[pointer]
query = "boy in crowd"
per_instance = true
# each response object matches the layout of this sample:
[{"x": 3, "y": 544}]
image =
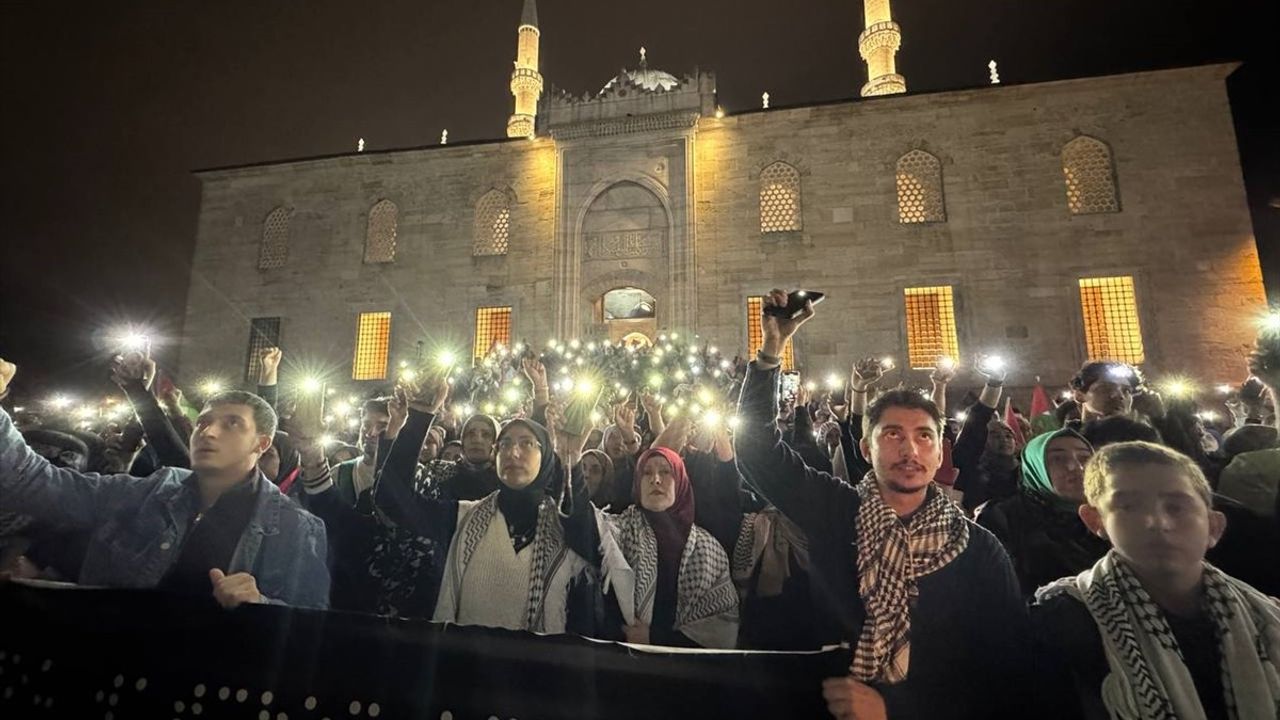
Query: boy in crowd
[{"x": 1152, "y": 630}]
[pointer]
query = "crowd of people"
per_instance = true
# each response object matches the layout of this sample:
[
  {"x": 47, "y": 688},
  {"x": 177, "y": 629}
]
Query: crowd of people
[{"x": 1107, "y": 555}]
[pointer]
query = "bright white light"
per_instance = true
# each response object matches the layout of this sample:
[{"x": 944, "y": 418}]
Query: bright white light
[
  {"x": 59, "y": 402},
  {"x": 511, "y": 395},
  {"x": 311, "y": 385},
  {"x": 211, "y": 387},
  {"x": 994, "y": 363},
  {"x": 886, "y": 362},
  {"x": 811, "y": 386},
  {"x": 734, "y": 421},
  {"x": 446, "y": 359},
  {"x": 962, "y": 416},
  {"x": 327, "y": 440},
  {"x": 712, "y": 418},
  {"x": 705, "y": 396},
  {"x": 946, "y": 363},
  {"x": 834, "y": 382},
  {"x": 133, "y": 340},
  {"x": 353, "y": 423},
  {"x": 1122, "y": 372},
  {"x": 1224, "y": 389}
]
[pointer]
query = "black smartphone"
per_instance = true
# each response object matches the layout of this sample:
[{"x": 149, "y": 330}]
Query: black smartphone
[{"x": 795, "y": 303}]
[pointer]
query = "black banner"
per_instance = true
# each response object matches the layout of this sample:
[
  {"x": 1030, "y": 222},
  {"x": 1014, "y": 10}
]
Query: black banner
[{"x": 118, "y": 654}]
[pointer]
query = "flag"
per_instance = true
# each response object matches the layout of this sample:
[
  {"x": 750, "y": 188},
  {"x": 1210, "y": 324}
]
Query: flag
[
  {"x": 1040, "y": 401},
  {"x": 1011, "y": 419}
]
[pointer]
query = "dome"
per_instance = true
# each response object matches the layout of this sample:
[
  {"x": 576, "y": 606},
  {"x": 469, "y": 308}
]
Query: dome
[{"x": 644, "y": 77}]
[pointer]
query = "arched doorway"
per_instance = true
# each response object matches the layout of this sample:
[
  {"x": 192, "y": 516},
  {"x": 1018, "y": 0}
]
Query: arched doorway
[{"x": 628, "y": 312}]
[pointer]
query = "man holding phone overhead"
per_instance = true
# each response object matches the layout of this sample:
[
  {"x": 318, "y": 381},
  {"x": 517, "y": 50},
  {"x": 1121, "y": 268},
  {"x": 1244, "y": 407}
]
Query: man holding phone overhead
[{"x": 219, "y": 528}]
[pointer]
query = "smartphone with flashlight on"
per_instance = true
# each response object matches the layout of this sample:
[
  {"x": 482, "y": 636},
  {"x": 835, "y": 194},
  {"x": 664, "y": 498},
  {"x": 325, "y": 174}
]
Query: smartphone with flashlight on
[
  {"x": 577, "y": 413},
  {"x": 795, "y": 304},
  {"x": 308, "y": 411},
  {"x": 790, "y": 386}
]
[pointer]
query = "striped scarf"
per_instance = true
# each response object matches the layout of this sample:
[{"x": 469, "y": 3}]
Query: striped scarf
[
  {"x": 892, "y": 556},
  {"x": 1149, "y": 679}
]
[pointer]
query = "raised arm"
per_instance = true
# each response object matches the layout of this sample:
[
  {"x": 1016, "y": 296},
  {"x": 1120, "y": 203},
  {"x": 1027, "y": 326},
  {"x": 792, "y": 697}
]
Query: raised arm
[
  {"x": 134, "y": 374},
  {"x": 30, "y": 485},
  {"x": 822, "y": 505},
  {"x": 269, "y": 374},
  {"x": 393, "y": 492}
]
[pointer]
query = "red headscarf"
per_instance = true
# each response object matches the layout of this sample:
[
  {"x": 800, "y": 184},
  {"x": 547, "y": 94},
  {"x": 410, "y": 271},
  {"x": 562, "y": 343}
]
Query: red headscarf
[{"x": 671, "y": 526}]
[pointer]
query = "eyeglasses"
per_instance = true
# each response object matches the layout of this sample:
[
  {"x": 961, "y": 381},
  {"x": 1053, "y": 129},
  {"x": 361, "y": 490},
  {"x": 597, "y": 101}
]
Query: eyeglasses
[{"x": 525, "y": 445}]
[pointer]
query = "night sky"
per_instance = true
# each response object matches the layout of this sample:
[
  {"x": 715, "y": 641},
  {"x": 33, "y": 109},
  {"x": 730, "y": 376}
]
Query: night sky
[{"x": 108, "y": 106}]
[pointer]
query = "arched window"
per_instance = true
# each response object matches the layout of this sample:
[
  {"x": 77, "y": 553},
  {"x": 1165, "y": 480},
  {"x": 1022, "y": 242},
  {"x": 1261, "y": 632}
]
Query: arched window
[
  {"x": 1091, "y": 177},
  {"x": 779, "y": 198},
  {"x": 493, "y": 224},
  {"x": 920, "y": 197},
  {"x": 275, "y": 240},
  {"x": 380, "y": 238}
]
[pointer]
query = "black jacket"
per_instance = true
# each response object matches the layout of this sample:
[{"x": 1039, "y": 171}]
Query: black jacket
[
  {"x": 1044, "y": 543},
  {"x": 969, "y": 624}
]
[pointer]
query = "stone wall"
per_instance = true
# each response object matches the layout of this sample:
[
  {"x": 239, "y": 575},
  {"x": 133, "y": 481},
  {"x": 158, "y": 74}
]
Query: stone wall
[{"x": 1009, "y": 247}]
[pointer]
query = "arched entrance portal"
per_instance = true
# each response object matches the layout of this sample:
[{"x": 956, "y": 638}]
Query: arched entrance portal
[{"x": 629, "y": 314}]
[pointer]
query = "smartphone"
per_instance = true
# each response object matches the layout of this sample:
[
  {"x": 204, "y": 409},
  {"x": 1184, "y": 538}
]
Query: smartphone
[
  {"x": 577, "y": 414},
  {"x": 790, "y": 384},
  {"x": 308, "y": 412},
  {"x": 795, "y": 303}
]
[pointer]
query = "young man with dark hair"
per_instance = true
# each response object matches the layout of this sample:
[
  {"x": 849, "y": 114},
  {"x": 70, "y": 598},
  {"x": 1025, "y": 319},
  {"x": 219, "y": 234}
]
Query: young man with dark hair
[
  {"x": 1105, "y": 389},
  {"x": 220, "y": 527},
  {"x": 928, "y": 598},
  {"x": 1152, "y": 630}
]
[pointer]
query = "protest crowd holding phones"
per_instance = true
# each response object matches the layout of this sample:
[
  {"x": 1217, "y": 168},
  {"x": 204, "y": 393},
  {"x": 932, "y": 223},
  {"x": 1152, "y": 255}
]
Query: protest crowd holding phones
[{"x": 1101, "y": 549}]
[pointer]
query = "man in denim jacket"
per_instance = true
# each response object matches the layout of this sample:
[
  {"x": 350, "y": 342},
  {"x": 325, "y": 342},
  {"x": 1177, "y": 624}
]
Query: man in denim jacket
[{"x": 220, "y": 527}]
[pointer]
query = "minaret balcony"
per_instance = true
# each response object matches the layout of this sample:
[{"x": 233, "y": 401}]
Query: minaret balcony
[
  {"x": 892, "y": 84},
  {"x": 880, "y": 35}
]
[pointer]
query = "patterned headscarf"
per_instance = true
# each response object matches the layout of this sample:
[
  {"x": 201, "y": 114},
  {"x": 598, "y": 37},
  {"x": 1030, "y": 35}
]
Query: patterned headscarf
[{"x": 892, "y": 557}]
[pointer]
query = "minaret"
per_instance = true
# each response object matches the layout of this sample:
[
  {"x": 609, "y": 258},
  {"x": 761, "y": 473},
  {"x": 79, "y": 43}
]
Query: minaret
[
  {"x": 526, "y": 81},
  {"x": 878, "y": 45}
]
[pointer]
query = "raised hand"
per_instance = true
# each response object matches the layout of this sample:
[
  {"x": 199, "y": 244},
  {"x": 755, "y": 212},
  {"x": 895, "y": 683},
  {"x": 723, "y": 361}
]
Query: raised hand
[
  {"x": 537, "y": 374},
  {"x": 624, "y": 416},
  {"x": 778, "y": 330},
  {"x": 650, "y": 403},
  {"x": 133, "y": 367},
  {"x": 992, "y": 371},
  {"x": 427, "y": 394},
  {"x": 944, "y": 372},
  {"x": 7, "y": 371},
  {"x": 397, "y": 411},
  {"x": 866, "y": 372},
  {"x": 270, "y": 365}
]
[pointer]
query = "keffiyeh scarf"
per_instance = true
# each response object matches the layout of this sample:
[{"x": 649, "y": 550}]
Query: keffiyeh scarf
[
  {"x": 1149, "y": 679},
  {"x": 892, "y": 556}
]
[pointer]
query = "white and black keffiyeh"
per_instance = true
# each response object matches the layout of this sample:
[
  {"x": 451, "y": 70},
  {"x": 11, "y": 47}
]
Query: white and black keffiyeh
[
  {"x": 549, "y": 553},
  {"x": 892, "y": 556},
  {"x": 706, "y": 601},
  {"x": 1149, "y": 679}
]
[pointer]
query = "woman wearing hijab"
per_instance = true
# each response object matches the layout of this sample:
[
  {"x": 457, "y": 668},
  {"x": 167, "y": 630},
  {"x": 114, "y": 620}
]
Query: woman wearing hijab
[
  {"x": 512, "y": 556},
  {"x": 598, "y": 474},
  {"x": 474, "y": 475},
  {"x": 1039, "y": 525},
  {"x": 672, "y": 580}
]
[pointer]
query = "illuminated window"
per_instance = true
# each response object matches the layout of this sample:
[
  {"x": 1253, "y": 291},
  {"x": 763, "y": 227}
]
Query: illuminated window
[
  {"x": 1111, "y": 328},
  {"x": 920, "y": 188},
  {"x": 263, "y": 333},
  {"x": 493, "y": 326},
  {"x": 779, "y": 198},
  {"x": 275, "y": 240},
  {"x": 1091, "y": 177},
  {"x": 755, "y": 336},
  {"x": 380, "y": 238},
  {"x": 931, "y": 325},
  {"x": 373, "y": 344},
  {"x": 493, "y": 224}
]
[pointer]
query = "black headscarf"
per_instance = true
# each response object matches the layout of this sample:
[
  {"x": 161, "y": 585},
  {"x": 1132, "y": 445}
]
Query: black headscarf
[{"x": 520, "y": 507}]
